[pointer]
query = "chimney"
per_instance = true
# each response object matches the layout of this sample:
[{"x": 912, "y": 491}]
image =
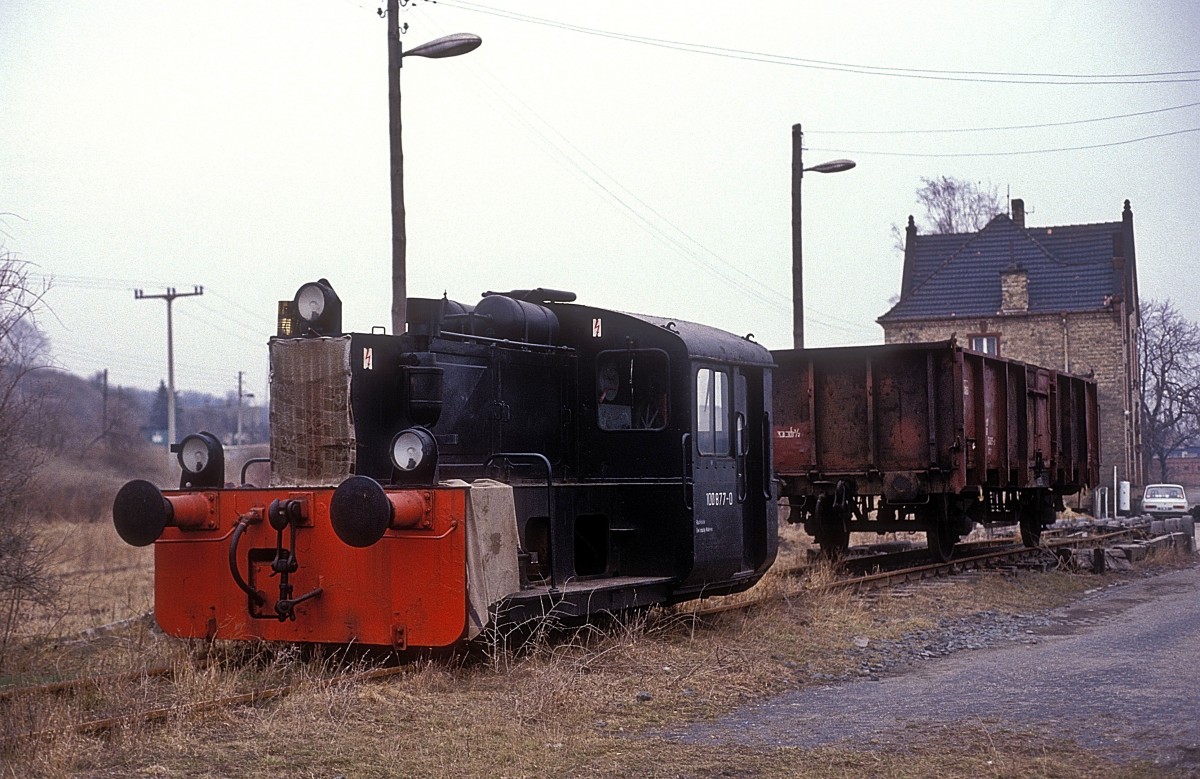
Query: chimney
[
  {"x": 910, "y": 242},
  {"x": 1018, "y": 212},
  {"x": 1014, "y": 289}
]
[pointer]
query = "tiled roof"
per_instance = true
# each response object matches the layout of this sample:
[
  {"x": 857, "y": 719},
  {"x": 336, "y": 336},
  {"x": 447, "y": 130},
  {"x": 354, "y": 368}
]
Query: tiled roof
[{"x": 1069, "y": 268}]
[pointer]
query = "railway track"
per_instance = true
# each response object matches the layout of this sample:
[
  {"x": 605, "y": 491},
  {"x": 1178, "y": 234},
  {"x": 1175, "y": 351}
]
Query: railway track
[
  {"x": 981, "y": 558},
  {"x": 75, "y": 685},
  {"x": 858, "y": 574},
  {"x": 103, "y": 725},
  {"x": 883, "y": 570}
]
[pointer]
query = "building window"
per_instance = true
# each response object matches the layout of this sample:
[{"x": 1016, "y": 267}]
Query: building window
[{"x": 988, "y": 344}]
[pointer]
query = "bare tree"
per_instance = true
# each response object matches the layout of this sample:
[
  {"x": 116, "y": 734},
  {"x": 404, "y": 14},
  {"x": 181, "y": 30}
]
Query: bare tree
[
  {"x": 1170, "y": 373},
  {"x": 957, "y": 206},
  {"x": 24, "y": 559},
  {"x": 952, "y": 206}
]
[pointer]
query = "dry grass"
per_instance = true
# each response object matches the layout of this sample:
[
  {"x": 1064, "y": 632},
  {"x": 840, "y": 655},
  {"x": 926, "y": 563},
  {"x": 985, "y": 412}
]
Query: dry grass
[
  {"x": 103, "y": 579},
  {"x": 102, "y": 582},
  {"x": 593, "y": 703}
]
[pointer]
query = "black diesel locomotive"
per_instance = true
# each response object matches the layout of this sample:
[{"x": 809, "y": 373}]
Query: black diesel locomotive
[
  {"x": 529, "y": 454},
  {"x": 496, "y": 461}
]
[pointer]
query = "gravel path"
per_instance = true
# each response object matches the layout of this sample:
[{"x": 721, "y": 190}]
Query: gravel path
[{"x": 1114, "y": 671}]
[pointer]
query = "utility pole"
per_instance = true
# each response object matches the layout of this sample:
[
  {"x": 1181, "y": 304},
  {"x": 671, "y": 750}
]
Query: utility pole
[
  {"x": 237, "y": 437},
  {"x": 446, "y": 46},
  {"x": 798, "y": 171},
  {"x": 797, "y": 239},
  {"x": 396, "y": 150},
  {"x": 104, "y": 410},
  {"x": 169, "y": 296}
]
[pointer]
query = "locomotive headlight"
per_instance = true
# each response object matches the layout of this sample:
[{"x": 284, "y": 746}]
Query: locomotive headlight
[
  {"x": 194, "y": 455},
  {"x": 202, "y": 460},
  {"x": 412, "y": 448},
  {"x": 310, "y": 302},
  {"x": 414, "y": 455},
  {"x": 318, "y": 308}
]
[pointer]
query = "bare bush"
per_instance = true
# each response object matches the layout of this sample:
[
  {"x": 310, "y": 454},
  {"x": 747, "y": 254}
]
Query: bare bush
[{"x": 24, "y": 562}]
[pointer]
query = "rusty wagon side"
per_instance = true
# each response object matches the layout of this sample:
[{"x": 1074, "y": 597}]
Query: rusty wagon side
[{"x": 928, "y": 437}]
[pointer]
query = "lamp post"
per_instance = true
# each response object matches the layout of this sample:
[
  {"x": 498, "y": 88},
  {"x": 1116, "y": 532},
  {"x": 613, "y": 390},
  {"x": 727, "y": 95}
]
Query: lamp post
[
  {"x": 447, "y": 46},
  {"x": 798, "y": 171}
]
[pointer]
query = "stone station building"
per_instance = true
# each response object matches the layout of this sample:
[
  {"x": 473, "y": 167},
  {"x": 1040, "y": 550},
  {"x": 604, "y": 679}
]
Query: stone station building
[{"x": 1062, "y": 297}]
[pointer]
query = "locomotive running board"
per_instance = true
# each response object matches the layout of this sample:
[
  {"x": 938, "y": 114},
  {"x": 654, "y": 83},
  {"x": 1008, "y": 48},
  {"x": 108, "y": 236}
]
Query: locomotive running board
[{"x": 575, "y": 599}]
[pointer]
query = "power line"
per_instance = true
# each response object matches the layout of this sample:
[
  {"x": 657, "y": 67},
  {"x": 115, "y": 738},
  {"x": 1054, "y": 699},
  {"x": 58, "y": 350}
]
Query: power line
[
  {"x": 96, "y": 282},
  {"x": 1008, "y": 153},
  {"x": 637, "y": 210},
  {"x": 1009, "y": 127},
  {"x": 976, "y": 76}
]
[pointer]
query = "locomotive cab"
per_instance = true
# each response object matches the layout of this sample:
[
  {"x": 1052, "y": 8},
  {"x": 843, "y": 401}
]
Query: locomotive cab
[{"x": 500, "y": 461}]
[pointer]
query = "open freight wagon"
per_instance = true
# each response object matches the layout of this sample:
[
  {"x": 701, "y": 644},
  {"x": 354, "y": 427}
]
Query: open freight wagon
[{"x": 928, "y": 437}]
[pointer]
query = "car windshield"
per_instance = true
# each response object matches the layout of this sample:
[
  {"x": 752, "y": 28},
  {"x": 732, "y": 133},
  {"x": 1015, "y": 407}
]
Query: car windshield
[{"x": 1165, "y": 492}]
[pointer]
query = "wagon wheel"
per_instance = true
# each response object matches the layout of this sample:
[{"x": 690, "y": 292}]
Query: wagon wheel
[
  {"x": 834, "y": 539},
  {"x": 941, "y": 535},
  {"x": 1031, "y": 531},
  {"x": 833, "y": 529},
  {"x": 1031, "y": 526},
  {"x": 941, "y": 539},
  {"x": 1029, "y": 518}
]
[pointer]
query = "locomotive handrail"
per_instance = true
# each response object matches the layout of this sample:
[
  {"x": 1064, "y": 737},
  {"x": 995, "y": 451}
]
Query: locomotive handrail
[
  {"x": 255, "y": 515},
  {"x": 686, "y": 443},
  {"x": 452, "y": 336},
  {"x": 545, "y": 461},
  {"x": 768, "y": 467},
  {"x": 246, "y": 466}
]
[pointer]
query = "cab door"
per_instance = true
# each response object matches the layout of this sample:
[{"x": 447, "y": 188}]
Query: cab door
[{"x": 718, "y": 474}]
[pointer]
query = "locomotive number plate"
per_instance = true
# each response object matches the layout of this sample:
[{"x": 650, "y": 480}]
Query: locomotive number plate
[{"x": 719, "y": 498}]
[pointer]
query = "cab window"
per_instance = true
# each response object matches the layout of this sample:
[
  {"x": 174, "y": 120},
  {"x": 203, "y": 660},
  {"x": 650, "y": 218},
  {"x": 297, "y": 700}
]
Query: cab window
[
  {"x": 631, "y": 389},
  {"x": 712, "y": 412}
]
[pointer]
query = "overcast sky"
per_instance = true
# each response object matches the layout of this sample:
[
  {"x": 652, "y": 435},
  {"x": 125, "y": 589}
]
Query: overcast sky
[{"x": 636, "y": 153}]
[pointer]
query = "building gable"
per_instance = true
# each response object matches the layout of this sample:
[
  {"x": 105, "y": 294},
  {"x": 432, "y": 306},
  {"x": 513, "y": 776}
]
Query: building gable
[{"x": 1066, "y": 269}]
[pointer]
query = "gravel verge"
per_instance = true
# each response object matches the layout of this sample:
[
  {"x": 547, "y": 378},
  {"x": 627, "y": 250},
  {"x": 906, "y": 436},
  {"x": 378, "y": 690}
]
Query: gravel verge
[{"x": 1112, "y": 672}]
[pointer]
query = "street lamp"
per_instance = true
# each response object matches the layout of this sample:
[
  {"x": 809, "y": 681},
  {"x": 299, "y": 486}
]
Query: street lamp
[
  {"x": 798, "y": 171},
  {"x": 447, "y": 46}
]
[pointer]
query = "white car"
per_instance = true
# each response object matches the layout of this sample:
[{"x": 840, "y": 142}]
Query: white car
[{"x": 1165, "y": 500}]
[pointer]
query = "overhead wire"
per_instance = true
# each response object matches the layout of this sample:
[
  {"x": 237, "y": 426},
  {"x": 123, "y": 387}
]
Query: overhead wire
[
  {"x": 212, "y": 378},
  {"x": 978, "y": 76},
  {"x": 1155, "y": 77},
  {"x": 1019, "y": 153},
  {"x": 1041, "y": 126},
  {"x": 675, "y": 238},
  {"x": 991, "y": 77}
]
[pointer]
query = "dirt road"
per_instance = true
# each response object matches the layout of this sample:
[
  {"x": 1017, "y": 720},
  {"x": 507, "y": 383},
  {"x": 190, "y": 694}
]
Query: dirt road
[{"x": 1116, "y": 672}]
